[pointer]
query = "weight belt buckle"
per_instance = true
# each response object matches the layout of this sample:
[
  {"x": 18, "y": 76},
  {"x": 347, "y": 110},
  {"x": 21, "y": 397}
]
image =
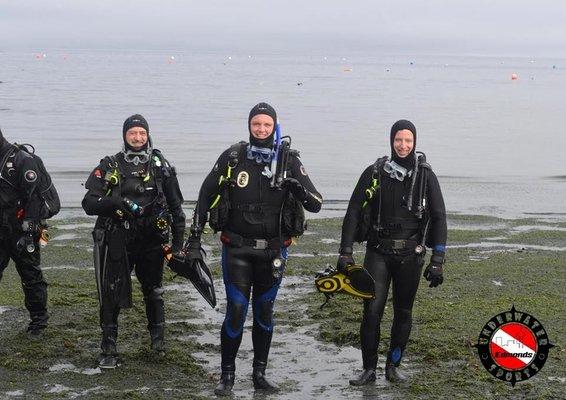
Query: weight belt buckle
[
  {"x": 398, "y": 244},
  {"x": 260, "y": 244}
]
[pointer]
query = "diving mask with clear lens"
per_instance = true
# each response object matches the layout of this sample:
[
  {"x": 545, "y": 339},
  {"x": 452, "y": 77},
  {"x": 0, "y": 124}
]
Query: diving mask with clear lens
[
  {"x": 137, "y": 157},
  {"x": 396, "y": 171},
  {"x": 259, "y": 154}
]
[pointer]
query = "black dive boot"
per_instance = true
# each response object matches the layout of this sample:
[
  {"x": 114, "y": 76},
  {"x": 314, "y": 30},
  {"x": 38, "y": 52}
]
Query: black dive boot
[
  {"x": 109, "y": 355},
  {"x": 393, "y": 361},
  {"x": 367, "y": 377},
  {"x": 260, "y": 381},
  {"x": 224, "y": 387},
  {"x": 157, "y": 334},
  {"x": 35, "y": 295},
  {"x": 37, "y": 324},
  {"x": 392, "y": 375},
  {"x": 369, "y": 361},
  {"x": 155, "y": 312}
]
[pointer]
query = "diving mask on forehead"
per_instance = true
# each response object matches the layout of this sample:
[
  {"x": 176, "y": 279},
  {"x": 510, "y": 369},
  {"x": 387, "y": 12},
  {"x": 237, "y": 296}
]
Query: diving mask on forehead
[{"x": 396, "y": 171}]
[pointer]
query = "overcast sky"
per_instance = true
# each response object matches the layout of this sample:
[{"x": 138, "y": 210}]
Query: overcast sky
[{"x": 498, "y": 27}]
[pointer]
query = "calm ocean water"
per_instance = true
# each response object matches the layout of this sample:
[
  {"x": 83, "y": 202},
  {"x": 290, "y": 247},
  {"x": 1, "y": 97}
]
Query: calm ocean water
[{"x": 496, "y": 144}]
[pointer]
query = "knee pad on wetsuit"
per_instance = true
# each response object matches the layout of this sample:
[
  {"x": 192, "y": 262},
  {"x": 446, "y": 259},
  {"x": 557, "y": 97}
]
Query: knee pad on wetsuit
[
  {"x": 35, "y": 294},
  {"x": 374, "y": 307},
  {"x": 263, "y": 308},
  {"x": 236, "y": 311},
  {"x": 36, "y": 284},
  {"x": 153, "y": 294},
  {"x": 154, "y": 308},
  {"x": 402, "y": 315}
]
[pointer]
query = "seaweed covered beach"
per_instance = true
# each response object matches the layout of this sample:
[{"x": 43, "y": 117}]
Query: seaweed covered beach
[{"x": 493, "y": 264}]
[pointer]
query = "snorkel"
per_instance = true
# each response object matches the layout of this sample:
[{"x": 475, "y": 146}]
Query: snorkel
[{"x": 274, "y": 159}]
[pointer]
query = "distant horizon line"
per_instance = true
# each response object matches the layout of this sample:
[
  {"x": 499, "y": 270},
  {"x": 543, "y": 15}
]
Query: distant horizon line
[{"x": 240, "y": 52}]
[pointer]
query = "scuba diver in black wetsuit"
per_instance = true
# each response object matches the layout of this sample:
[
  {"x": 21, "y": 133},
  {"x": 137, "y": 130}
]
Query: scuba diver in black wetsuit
[
  {"x": 136, "y": 196},
  {"x": 255, "y": 235},
  {"x": 27, "y": 196},
  {"x": 405, "y": 212}
]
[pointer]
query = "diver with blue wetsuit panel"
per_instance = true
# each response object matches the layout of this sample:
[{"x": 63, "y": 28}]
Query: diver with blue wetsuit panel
[{"x": 255, "y": 235}]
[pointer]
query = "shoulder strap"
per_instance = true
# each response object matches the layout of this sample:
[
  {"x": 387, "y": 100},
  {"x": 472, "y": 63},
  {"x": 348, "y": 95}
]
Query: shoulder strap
[
  {"x": 113, "y": 172},
  {"x": 376, "y": 183},
  {"x": 12, "y": 150},
  {"x": 293, "y": 152},
  {"x": 377, "y": 165},
  {"x": 234, "y": 157},
  {"x": 236, "y": 153},
  {"x": 24, "y": 147},
  {"x": 161, "y": 168},
  {"x": 423, "y": 186},
  {"x": 370, "y": 191}
]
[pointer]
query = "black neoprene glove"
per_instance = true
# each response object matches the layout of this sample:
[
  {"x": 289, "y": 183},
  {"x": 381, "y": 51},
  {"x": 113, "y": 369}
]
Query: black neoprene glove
[
  {"x": 344, "y": 259},
  {"x": 177, "y": 241},
  {"x": 433, "y": 271},
  {"x": 193, "y": 247},
  {"x": 296, "y": 188}
]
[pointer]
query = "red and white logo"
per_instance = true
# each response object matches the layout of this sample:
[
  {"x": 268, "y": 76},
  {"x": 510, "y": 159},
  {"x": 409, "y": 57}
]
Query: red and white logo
[{"x": 513, "y": 346}]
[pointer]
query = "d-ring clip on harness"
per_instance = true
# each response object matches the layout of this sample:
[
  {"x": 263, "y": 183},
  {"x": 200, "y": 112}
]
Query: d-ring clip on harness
[
  {"x": 225, "y": 180},
  {"x": 370, "y": 191},
  {"x": 112, "y": 176}
]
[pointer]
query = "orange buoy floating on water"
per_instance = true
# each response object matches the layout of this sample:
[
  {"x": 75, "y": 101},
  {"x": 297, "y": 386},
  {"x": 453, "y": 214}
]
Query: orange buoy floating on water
[{"x": 514, "y": 77}]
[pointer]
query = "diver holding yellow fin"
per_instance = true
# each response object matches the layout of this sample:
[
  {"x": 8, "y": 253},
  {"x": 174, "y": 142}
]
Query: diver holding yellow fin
[
  {"x": 398, "y": 209},
  {"x": 353, "y": 280}
]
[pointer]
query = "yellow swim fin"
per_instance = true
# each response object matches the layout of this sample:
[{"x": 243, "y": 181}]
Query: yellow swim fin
[{"x": 355, "y": 281}]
